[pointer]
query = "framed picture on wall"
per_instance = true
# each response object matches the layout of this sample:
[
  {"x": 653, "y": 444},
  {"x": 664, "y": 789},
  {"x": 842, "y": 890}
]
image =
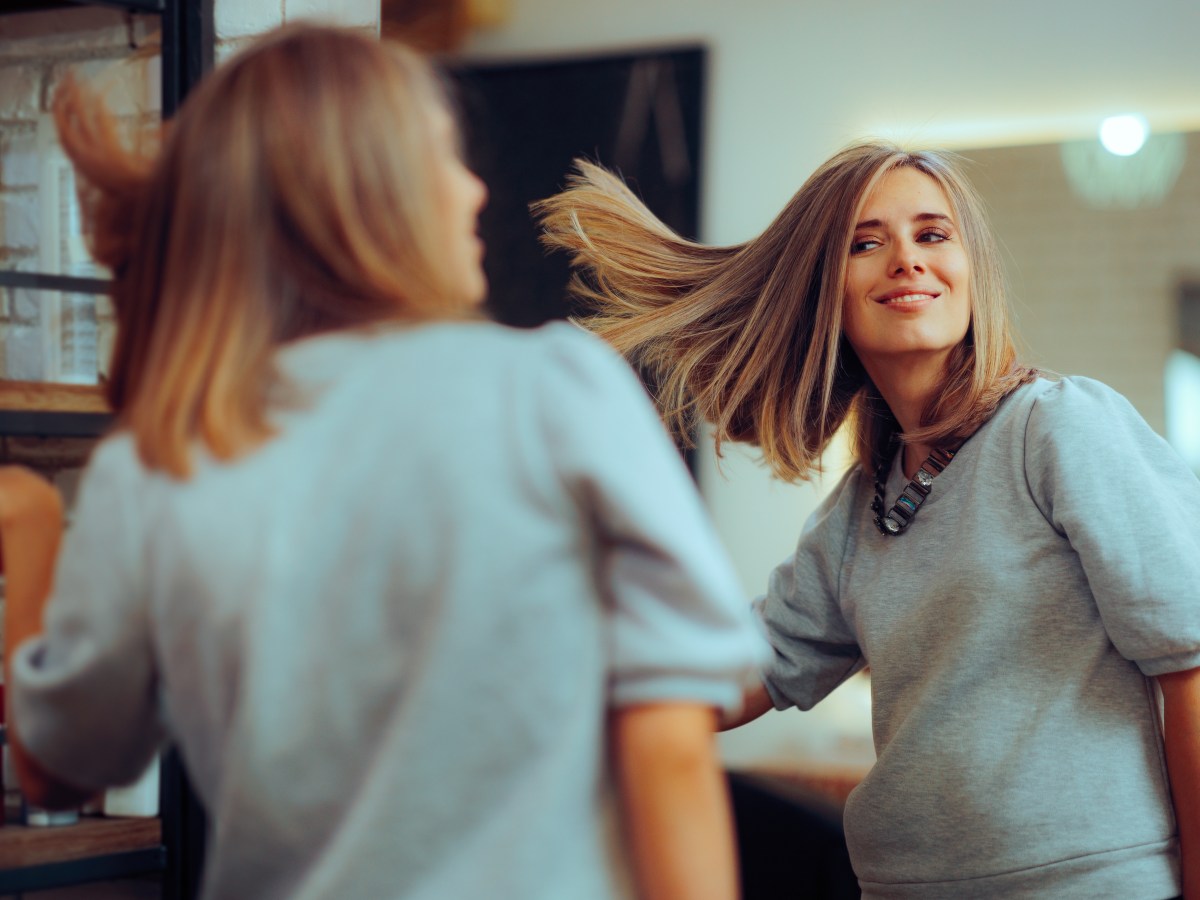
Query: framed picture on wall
[{"x": 638, "y": 113}]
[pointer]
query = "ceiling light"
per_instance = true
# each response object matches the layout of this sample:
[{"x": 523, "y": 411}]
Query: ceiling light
[{"x": 1123, "y": 135}]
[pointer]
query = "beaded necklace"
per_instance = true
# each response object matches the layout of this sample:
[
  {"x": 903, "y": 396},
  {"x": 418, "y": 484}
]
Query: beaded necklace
[{"x": 912, "y": 496}]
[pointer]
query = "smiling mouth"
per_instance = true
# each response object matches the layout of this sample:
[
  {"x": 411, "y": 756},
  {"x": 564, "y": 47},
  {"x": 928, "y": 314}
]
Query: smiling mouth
[{"x": 906, "y": 298}]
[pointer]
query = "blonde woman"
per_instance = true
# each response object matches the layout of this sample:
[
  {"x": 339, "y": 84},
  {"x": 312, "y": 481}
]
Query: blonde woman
[
  {"x": 1016, "y": 558},
  {"x": 396, "y": 579}
]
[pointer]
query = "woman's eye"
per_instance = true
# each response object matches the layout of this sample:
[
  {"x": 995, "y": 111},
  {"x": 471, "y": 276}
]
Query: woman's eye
[
  {"x": 861, "y": 246},
  {"x": 932, "y": 237}
]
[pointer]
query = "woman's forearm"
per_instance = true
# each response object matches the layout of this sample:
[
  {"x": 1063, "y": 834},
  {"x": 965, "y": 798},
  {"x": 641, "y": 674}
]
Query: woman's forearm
[
  {"x": 675, "y": 802},
  {"x": 1181, "y": 703}
]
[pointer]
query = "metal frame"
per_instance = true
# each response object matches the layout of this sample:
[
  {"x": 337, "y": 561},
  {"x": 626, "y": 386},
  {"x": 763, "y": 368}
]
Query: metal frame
[{"x": 39, "y": 281}]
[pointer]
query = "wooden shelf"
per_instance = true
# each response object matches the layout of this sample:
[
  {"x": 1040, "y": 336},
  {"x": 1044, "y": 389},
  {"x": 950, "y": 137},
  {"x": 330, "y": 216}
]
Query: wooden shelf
[
  {"x": 22, "y": 846},
  {"x": 37, "y": 858},
  {"x": 40, "y": 396}
]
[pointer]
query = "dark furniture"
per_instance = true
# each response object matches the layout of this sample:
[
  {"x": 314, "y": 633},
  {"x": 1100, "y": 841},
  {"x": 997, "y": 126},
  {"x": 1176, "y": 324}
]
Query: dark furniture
[{"x": 790, "y": 842}]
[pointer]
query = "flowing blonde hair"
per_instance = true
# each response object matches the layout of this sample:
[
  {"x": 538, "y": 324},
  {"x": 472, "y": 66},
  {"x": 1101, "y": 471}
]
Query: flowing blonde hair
[
  {"x": 749, "y": 337},
  {"x": 291, "y": 196}
]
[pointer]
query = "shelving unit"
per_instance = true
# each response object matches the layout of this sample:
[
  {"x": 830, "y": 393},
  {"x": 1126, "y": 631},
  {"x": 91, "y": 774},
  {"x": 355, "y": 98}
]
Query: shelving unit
[
  {"x": 39, "y": 407},
  {"x": 97, "y": 849}
]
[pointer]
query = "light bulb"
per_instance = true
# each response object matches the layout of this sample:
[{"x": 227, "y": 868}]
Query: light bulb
[{"x": 1123, "y": 135}]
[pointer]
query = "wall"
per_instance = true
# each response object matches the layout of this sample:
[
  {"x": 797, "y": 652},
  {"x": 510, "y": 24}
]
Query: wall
[
  {"x": 1096, "y": 291},
  {"x": 237, "y": 21}
]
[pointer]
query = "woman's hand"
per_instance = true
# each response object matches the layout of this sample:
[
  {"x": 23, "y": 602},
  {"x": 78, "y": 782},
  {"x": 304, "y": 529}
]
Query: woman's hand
[
  {"x": 755, "y": 702},
  {"x": 1181, "y": 705}
]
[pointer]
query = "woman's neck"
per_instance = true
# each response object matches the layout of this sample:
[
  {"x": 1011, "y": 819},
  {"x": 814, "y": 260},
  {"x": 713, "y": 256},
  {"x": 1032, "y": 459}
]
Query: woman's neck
[{"x": 907, "y": 388}]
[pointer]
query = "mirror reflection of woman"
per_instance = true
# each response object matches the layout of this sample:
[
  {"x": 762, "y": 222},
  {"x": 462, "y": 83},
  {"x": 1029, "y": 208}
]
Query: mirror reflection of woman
[{"x": 1014, "y": 554}]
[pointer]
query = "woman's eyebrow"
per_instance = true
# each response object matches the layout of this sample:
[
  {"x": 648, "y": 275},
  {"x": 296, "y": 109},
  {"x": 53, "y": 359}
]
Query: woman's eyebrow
[{"x": 919, "y": 217}]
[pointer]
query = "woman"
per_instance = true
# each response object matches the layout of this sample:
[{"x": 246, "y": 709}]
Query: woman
[
  {"x": 1015, "y": 557},
  {"x": 391, "y": 575}
]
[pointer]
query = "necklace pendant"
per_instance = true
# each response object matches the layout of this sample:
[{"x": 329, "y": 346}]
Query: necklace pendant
[{"x": 913, "y": 494}]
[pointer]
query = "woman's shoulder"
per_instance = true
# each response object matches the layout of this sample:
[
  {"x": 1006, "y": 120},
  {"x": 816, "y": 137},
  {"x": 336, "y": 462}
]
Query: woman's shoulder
[
  {"x": 1080, "y": 421},
  {"x": 115, "y": 456},
  {"x": 558, "y": 338},
  {"x": 1056, "y": 402},
  {"x": 402, "y": 355},
  {"x": 838, "y": 511},
  {"x": 484, "y": 342},
  {"x": 557, "y": 353},
  {"x": 114, "y": 482},
  {"x": 1077, "y": 404},
  {"x": 572, "y": 345}
]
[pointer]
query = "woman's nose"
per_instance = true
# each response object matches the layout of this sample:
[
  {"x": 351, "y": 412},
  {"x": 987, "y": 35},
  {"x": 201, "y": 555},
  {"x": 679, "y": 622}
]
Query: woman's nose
[{"x": 905, "y": 258}]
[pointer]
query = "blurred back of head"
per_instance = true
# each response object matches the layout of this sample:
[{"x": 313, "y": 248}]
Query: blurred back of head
[{"x": 291, "y": 196}]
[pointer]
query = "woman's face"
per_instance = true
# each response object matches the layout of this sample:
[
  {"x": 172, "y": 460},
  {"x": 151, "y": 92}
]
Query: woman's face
[
  {"x": 461, "y": 197},
  {"x": 908, "y": 277}
]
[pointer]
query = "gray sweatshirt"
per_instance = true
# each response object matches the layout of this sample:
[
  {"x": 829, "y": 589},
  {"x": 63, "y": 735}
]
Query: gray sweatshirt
[{"x": 1011, "y": 632}]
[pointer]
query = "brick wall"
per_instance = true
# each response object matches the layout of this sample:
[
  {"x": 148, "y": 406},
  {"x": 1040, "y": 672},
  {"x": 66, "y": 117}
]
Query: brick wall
[{"x": 1096, "y": 291}]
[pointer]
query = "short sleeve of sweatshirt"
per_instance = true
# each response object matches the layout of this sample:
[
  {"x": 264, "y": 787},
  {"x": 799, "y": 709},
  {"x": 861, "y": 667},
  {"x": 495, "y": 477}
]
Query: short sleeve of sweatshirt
[
  {"x": 84, "y": 692},
  {"x": 815, "y": 648},
  {"x": 1131, "y": 509},
  {"x": 679, "y": 627}
]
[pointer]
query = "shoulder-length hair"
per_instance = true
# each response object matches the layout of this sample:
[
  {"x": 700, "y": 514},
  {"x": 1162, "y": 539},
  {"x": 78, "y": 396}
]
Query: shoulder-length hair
[
  {"x": 749, "y": 337},
  {"x": 291, "y": 196}
]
